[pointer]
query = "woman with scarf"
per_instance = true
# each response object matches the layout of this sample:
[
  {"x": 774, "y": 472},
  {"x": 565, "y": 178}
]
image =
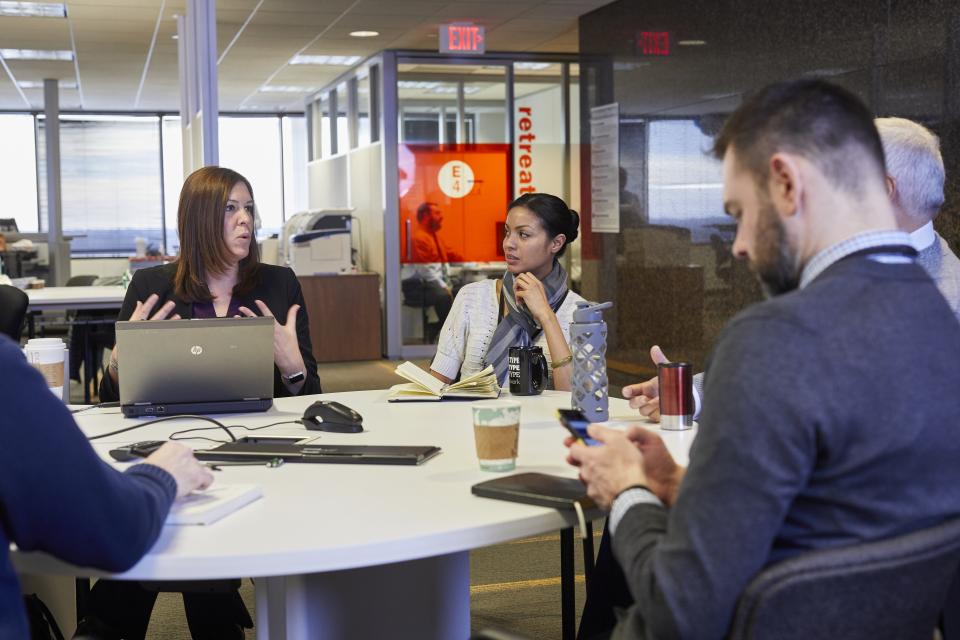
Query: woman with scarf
[{"x": 530, "y": 305}]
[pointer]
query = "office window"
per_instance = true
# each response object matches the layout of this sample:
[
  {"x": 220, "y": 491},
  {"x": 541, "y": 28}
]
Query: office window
[
  {"x": 685, "y": 181},
  {"x": 343, "y": 130},
  {"x": 326, "y": 149},
  {"x": 18, "y": 171},
  {"x": 172, "y": 179},
  {"x": 363, "y": 110},
  {"x": 251, "y": 146},
  {"x": 294, "y": 165},
  {"x": 110, "y": 182}
]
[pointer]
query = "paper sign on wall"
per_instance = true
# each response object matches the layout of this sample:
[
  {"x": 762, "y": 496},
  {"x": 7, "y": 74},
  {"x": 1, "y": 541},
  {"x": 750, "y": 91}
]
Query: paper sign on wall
[{"x": 605, "y": 168}]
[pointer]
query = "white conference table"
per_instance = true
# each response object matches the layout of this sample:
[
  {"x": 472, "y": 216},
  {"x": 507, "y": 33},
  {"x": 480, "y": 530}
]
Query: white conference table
[
  {"x": 357, "y": 551},
  {"x": 75, "y": 298}
]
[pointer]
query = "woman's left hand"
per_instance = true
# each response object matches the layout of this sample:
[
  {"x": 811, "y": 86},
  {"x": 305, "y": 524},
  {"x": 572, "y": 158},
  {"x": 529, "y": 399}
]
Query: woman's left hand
[
  {"x": 286, "y": 347},
  {"x": 529, "y": 290}
]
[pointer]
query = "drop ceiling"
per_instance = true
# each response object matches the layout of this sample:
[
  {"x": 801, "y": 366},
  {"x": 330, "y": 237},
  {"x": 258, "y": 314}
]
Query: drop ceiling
[{"x": 126, "y": 53}]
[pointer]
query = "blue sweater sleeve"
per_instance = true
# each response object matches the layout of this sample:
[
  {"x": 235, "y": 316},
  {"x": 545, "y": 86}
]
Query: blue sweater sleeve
[{"x": 56, "y": 494}]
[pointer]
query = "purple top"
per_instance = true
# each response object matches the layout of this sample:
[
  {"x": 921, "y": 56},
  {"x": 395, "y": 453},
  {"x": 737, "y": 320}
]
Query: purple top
[{"x": 206, "y": 310}]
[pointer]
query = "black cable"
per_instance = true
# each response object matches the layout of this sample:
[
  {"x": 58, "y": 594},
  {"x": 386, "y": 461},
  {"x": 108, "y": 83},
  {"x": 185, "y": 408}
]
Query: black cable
[
  {"x": 184, "y": 416},
  {"x": 174, "y": 435}
]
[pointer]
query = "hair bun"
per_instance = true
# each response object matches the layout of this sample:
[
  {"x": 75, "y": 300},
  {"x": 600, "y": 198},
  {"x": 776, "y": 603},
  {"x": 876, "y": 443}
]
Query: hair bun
[{"x": 574, "y": 226}]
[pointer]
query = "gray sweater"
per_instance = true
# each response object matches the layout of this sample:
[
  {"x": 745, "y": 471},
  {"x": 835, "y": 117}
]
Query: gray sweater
[{"x": 830, "y": 418}]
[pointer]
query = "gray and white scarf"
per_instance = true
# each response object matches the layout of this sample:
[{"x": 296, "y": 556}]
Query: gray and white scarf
[{"x": 518, "y": 328}]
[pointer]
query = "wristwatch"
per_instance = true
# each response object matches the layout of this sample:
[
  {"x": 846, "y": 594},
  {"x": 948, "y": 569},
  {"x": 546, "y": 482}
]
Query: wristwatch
[{"x": 295, "y": 378}]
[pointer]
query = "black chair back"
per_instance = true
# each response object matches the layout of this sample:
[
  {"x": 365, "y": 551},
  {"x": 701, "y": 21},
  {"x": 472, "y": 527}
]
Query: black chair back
[
  {"x": 892, "y": 588},
  {"x": 81, "y": 281},
  {"x": 13, "y": 309}
]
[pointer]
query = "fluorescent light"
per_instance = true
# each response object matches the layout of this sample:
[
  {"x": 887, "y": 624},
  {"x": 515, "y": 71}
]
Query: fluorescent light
[
  {"x": 285, "y": 88},
  {"x": 38, "y": 84},
  {"x": 35, "y": 54},
  {"x": 339, "y": 61},
  {"x": 417, "y": 84},
  {"x": 691, "y": 43},
  {"x": 531, "y": 66},
  {"x": 364, "y": 34},
  {"x": 33, "y": 9},
  {"x": 452, "y": 89}
]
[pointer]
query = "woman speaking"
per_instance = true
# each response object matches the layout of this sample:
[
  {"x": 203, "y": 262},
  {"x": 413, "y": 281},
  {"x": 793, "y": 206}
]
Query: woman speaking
[{"x": 218, "y": 274}]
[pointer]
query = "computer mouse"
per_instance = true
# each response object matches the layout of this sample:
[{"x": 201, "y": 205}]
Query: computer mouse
[{"x": 326, "y": 415}]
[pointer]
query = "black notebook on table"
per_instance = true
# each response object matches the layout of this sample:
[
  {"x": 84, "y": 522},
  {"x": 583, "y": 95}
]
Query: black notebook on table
[{"x": 538, "y": 489}]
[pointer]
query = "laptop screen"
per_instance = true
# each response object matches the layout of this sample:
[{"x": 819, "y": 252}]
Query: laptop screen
[{"x": 181, "y": 361}]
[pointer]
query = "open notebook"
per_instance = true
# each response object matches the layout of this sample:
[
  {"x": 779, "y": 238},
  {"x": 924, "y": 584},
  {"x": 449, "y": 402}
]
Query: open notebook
[{"x": 423, "y": 386}]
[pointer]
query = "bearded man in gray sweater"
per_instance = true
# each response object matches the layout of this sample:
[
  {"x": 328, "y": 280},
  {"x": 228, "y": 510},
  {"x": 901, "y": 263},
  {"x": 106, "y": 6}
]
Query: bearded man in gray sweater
[{"x": 829, "y": 414}]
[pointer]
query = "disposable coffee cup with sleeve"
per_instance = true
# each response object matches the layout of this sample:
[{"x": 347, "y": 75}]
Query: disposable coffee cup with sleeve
[{"x": 50, "y": 357}]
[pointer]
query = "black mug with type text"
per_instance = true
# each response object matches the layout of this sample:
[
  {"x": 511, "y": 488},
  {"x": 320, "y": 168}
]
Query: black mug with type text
[{"x": 527, "y": 367}]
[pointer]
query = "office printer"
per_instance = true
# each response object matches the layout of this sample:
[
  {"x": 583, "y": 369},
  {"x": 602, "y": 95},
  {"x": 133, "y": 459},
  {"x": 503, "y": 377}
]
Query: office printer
[{"x": 318, "y": 242}]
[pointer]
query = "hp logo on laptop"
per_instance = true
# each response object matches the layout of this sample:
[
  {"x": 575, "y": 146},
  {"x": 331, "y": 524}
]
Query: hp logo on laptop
[{"x": 196, "y": 349}]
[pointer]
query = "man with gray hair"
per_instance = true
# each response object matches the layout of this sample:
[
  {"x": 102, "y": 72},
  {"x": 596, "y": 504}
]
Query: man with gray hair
[{"x": 915, "y": 179}]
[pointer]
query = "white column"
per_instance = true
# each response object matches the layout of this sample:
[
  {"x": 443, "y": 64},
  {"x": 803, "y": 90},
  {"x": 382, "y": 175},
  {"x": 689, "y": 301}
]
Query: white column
[
  {"x": 199, "y": 110},
  {"x": 59, "y": 249}
]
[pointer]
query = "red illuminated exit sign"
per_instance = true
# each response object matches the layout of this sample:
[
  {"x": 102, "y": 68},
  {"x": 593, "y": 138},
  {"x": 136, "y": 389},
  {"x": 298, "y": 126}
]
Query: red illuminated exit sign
[
  {"x": 462, "y": 38},
  {"x": 653, "y": 43}
]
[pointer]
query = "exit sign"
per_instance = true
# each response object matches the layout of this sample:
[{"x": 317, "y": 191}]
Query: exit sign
[
  {"x": 653, "y": 43},
  {"x": 462, "y": 38}
]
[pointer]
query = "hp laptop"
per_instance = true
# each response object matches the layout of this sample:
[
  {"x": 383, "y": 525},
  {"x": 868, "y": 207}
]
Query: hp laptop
[{"x": 216, "y": 365}]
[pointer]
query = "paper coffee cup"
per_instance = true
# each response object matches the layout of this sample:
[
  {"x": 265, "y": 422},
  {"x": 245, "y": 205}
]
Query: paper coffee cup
[
  {"x": 496, "y": 429},
  {"x": 49, "y": 357}
]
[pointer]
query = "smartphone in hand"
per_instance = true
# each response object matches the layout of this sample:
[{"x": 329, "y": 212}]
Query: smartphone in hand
[{"x": 576, "y": 423}]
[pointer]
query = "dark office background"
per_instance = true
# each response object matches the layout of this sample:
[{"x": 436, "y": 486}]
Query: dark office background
[{"x": 673, "y": 280}]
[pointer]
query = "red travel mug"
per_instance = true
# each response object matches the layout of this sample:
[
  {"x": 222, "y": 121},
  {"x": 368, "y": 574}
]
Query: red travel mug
[{"x": 676, "y": 395}]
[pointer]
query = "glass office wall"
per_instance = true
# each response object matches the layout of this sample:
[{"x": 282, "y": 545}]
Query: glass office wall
[
  {"x": 669, "y": 267},
  {"x": 446, "y": 145}
]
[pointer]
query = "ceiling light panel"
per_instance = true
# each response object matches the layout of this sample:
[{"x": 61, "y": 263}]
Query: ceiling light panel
[
  {"x": 33, "y": 9},
  {"x": 286, "y": 88},
  {"x": 337, "y": 61},
  {"x": 36, "y": 54},
  {"x": 38, "y": 84}
]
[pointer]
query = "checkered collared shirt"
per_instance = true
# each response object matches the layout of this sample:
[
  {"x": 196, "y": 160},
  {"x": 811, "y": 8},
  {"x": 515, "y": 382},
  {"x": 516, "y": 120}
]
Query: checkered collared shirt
[{"x": 819, "y": 263}]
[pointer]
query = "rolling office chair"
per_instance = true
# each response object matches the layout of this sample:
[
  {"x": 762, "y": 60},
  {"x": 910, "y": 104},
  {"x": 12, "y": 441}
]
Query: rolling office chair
[
  {"x": 13, "y": 310},
  {"x": 894, "y": 588},
  {"x": 90, "y": 333}
]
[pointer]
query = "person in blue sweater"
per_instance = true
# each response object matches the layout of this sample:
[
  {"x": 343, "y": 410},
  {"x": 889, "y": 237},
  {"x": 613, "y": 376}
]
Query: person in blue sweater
[
  {"x": 829, "y": 414},
  {"x": 58, "y": 496}
]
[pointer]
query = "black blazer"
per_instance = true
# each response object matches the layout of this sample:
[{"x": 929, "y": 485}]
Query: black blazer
[{"x": 277, "y": 287}]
